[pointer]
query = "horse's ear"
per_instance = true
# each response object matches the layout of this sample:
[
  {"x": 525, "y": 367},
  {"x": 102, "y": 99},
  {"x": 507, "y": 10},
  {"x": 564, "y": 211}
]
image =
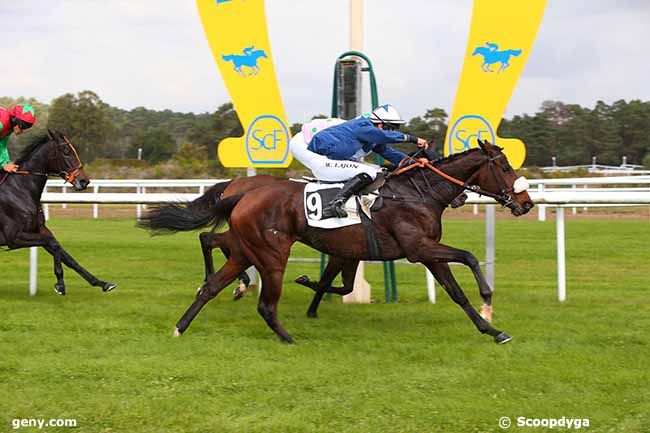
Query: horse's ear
[
  {"x": 482, "y": 144},
  {"x": 50, "y": 134}
]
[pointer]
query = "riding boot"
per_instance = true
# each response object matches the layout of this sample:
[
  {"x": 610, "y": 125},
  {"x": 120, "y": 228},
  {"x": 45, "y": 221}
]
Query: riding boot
[{"x": 351, "y": 187}]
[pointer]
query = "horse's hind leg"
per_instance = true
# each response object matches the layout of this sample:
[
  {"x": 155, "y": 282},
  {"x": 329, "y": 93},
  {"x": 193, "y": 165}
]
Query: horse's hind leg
[
  {"x": 444, "y": 276},
  {"x": 215, "y": 284},
  {"x": 269, "y": 254},
  {"x": 268, "y": 303},
  {"x": 207, "y": 244},
  {"x": 225, "y": 242}
]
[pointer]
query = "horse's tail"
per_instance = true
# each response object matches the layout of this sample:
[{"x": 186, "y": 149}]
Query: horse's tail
[
  {"x": 515, "y": 52},
  {"x": 177, "y": 217},
  {"x": 210, "y": 197}
]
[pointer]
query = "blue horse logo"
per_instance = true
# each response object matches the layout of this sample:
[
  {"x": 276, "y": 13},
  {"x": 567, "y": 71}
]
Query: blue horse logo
[
  {"x": 248, "y": 58},
  {"x": 492, "y": 55}
]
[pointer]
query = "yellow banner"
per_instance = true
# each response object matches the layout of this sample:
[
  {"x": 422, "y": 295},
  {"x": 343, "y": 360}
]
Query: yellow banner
[
  {"x": 500, "y": 41},
  {"x": 238, "y": 37}
]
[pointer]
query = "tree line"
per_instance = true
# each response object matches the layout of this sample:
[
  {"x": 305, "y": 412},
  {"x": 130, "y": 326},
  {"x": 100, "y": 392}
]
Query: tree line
[{"x": 570, "y": 132}]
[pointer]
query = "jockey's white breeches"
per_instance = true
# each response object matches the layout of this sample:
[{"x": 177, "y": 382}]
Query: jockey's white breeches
[{"x": 324, "y": 168}]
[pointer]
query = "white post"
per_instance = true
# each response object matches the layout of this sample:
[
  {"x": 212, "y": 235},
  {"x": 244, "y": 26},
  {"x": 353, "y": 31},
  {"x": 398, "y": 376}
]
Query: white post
[
  {"x": 475, "y": 209},
  {"x": 143, "y": 190},
  {"x": 46, "y": 208},
  {"x": 541, "y": 207},
  {"x": 490, "y": 218},
  {"x": 138, "y": 207},
  {"x": 64, "y": 190},
  {"x": 431, "y": 286},
  {"x": 96, "y": 205},
  {"x": 361, "y": 289},
  {"x": 561, "y": 265},
  {"x": 356, "y": 25},
  {"x": 252, "y": 272},
  {"x": 33, "y": 271},
  {"x": 574, "y": 210},
  {"x": 202, "y": 189}
]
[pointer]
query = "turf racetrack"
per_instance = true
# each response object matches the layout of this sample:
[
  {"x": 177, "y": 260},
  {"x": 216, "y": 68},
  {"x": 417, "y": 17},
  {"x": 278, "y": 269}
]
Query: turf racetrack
[{"x": 110, "y": 362}]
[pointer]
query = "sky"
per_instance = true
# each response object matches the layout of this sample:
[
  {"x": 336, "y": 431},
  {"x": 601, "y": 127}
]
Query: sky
[{"x": 154, "y": 53}]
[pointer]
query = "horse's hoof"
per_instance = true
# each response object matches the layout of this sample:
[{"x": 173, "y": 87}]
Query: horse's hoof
[
  {"x": 59, "y": 289},
  {"x": 107, "y": 287},
  {"x": 239, "y": 292},
  {"x": 177, "y": 333},
  {"x": 313, "y": 315},
  {"x": 287, "y": 339},
  {"x": 502, "y": 338},
  {"x": 486, "y": 312},
  {"x": 302, "y": 280}
]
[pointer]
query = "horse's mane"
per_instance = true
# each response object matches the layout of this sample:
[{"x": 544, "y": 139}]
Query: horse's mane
[
  {"x": 454, "y": 156},
  {"x": 31, "y": 147}
]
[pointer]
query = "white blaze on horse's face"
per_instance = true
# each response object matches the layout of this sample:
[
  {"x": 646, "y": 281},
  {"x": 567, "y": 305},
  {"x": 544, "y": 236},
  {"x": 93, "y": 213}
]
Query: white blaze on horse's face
[{"x": 520, "y": 185}]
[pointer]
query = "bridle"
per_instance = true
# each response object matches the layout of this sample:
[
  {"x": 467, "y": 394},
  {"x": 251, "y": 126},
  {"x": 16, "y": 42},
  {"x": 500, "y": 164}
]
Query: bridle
[
  {"x": 504, "y": 197},
  {"x": 68, "y": 176}
]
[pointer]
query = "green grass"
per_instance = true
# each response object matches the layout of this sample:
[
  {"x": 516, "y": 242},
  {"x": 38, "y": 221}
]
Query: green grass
[{"x": 109, "y": 360}]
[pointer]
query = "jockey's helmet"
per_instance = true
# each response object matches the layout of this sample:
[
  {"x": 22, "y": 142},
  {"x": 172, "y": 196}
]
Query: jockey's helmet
[
  {"x": 23, "y": 115},
  {"x": 387, "y": 115}
]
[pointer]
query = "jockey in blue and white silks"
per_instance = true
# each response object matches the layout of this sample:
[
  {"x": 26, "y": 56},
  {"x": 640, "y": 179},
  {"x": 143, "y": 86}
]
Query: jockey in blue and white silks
[{"x": 333, "y": 149}]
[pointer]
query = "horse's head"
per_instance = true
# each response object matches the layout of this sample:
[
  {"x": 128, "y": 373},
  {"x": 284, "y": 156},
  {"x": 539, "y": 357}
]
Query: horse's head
[
  {"x": 258, "y": 53},
  {"x": 63, "y": 160},
  {"x": 480, "y": 50},
  {"x": 498, "y": 177}
]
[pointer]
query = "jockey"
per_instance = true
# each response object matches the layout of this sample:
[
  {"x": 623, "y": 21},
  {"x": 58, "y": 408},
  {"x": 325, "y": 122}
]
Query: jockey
[
  {"x": 16, "y": 120},
  {"x": 333, "y": 149}
]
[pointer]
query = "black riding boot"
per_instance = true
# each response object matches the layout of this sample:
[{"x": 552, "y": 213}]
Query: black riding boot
[{"x": 351, "y": 187}]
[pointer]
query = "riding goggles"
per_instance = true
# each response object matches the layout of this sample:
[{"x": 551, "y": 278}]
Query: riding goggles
[{"x": 23, "y": 125}]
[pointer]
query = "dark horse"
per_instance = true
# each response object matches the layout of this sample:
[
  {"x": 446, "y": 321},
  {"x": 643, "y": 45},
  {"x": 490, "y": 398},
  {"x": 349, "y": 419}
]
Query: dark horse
[
  {"x": 22, "y": 223},
  {"x": 266, "y": 221}
]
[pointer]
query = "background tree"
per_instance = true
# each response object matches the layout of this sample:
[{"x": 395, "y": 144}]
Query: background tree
[
  {"x": 84, "y": 119},
  {"x": 156, "y": 143}
]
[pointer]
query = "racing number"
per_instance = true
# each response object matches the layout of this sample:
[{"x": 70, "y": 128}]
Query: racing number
[{"x": 314, "y": 205}]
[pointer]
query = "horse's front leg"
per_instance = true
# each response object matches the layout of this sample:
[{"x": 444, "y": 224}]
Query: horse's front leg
[
  {"x": 70, "y": 262},
  {"x": 443, "y": 274},
  {"x": 435, "y": 257},
  {"x": 445, "y": 253},
  {"x": 334, "y": 266},
  {"x": 26, "y": 239}
]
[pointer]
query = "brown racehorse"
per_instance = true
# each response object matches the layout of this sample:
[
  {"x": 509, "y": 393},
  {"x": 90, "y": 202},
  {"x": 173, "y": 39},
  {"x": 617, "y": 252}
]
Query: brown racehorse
[{"x": 266, "y": 221}]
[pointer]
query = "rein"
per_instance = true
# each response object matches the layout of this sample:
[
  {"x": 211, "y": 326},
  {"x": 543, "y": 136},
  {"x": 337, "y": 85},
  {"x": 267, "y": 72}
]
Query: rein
[{"x": 504, "y": 198}]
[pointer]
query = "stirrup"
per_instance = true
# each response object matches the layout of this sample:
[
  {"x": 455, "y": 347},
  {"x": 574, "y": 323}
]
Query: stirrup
[{"x": 337, "y": 209}]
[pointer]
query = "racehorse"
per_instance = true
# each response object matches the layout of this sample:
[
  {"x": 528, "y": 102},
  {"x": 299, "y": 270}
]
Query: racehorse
[
  {"x": 249, "y": 58},
  {"x": 22, "y": 223},
  {"x": 266, "y": 221},
  {"x": 491, "y": 55}
]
